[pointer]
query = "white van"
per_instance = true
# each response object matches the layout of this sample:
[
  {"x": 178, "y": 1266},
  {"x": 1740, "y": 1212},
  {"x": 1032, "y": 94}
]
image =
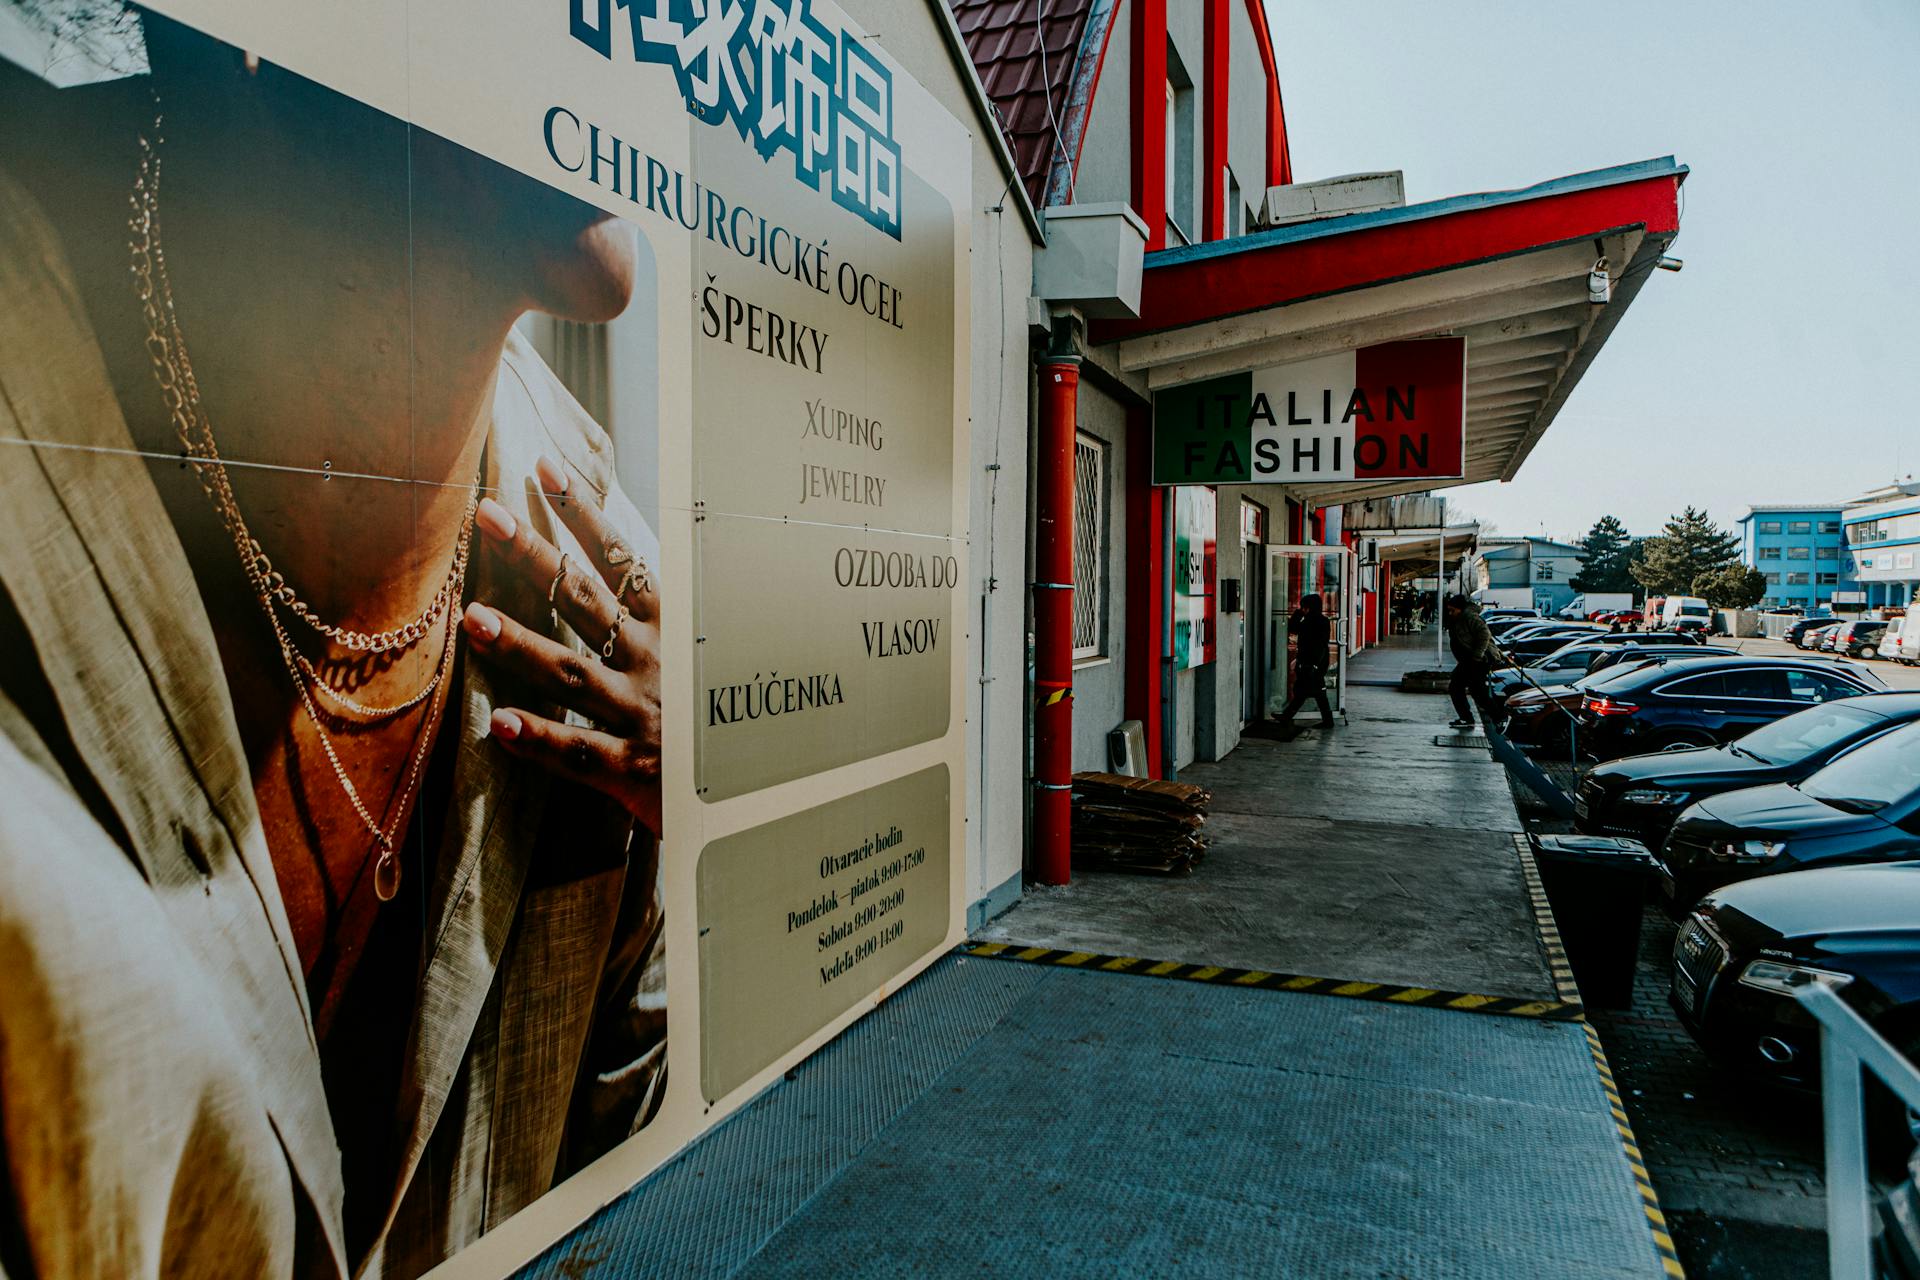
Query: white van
[
  {"x": 1902, "y": 641},
  {"x": 1686, "y": 613}
]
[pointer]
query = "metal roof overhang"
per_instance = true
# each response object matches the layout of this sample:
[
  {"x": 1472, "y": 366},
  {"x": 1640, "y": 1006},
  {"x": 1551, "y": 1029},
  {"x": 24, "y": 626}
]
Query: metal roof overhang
[
  {"x": 1417, "y": 554},
  {"x": 1507, "y": 270}
]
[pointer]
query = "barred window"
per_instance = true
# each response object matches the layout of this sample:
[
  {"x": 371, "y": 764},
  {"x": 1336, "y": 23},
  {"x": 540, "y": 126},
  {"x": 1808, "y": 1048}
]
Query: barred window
[{"x": 1089, "y": 546}]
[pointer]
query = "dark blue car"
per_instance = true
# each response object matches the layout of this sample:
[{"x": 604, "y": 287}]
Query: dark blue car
[
  {"x": 1708, "y": 701},
  {"x": 1862, "y": 807},
  {"x": 1744, "y": 951},
  {"x": 1640, "y": 796}
]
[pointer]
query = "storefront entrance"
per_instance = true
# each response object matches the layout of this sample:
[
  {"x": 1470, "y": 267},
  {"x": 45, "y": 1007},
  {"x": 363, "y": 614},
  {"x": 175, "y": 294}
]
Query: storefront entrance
[{"x": 1294, "y": 572}]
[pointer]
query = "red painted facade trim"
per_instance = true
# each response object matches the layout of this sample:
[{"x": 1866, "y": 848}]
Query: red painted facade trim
[
  {"x": 1146, "y": 584},
  {"x": 1053, "y": 621},
  {"x": 1217, "y": 38},
  {"x": 1149, "y": 118},
  {"x": 1210, "y": 288}
]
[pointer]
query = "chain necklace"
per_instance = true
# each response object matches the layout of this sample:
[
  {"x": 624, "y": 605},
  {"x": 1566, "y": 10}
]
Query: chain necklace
[{"x": 180, "y": 393}]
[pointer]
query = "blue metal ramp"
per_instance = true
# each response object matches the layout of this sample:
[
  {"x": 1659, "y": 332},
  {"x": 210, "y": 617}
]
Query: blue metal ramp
[{"x": 1000, "y": 1118}]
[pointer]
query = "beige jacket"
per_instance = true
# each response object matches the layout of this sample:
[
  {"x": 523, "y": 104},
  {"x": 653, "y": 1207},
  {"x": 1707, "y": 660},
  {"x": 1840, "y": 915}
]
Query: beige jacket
[{"x": 161, "y": 1105}]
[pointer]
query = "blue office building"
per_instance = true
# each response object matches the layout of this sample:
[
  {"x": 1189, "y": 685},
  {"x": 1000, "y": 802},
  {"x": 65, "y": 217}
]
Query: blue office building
[{"x": 1802, "y": 551}]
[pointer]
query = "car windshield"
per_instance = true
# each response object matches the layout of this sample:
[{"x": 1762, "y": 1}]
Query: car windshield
[
  {"x": 1885, "y": 771},
  {"x": 1799, "y": 735},
  {"x": 1694, "y": 610}
]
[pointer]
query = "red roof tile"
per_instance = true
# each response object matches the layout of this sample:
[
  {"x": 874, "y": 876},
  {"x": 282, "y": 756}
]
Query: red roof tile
[{"x": 1004, "y": 38}]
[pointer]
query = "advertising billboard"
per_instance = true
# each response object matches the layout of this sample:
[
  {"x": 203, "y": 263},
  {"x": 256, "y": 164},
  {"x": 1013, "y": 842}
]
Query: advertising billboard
[
  {"x": 482, "y": 503},
  {"x": 1387, "y": 412}
]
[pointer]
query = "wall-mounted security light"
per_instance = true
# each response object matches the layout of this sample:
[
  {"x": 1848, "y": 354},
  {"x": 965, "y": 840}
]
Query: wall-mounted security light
[
  {"x": 1599, "y": 284},
  {"x": 1670, "y": 264}
]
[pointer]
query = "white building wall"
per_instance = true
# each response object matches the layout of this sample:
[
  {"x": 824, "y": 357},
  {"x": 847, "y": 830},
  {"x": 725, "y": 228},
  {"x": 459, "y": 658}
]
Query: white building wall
[
  {"x": 1247, "y": 118},
  {"x": 995, "y": 633},
  {"x": 1106, "y": 150},
  {"x": 1099, "y": 684}
]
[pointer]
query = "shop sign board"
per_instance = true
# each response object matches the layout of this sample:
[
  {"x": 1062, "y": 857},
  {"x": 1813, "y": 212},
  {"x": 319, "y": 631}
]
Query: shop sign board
[
  {"x": 1195, "y": 575},
  {"x": 1388, "y": 412},
  {"x": 605, "y": 368}
]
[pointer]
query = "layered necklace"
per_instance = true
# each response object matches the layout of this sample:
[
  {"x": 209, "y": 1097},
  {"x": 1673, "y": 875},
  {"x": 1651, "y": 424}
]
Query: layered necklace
[{"x": 180, "y": 393}]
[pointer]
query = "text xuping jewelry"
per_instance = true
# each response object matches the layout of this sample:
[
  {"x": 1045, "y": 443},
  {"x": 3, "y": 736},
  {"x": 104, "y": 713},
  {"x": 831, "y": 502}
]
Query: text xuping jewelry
[
  {"x": 180, "y": 393},
  {"x": 553, "y": 593}
]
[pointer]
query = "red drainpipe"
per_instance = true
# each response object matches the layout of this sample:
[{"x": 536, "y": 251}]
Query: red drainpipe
[{"x": 1053, "y": 622}]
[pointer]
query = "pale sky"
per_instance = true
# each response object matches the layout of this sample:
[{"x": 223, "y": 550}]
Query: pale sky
[{"x": 1780, "y": 365}]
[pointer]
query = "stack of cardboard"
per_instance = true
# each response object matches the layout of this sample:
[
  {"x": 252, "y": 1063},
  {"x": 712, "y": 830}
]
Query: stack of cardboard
[{"x": 1137, "y": 824}]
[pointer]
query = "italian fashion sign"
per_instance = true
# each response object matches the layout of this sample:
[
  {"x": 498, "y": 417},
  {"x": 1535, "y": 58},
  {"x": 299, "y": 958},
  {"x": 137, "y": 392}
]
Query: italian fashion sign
[
  {"x": 483, "y": 513},
  {"x": 1388, "y": 412}
]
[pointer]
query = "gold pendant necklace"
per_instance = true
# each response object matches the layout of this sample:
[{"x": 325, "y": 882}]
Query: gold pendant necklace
[{"x": 180, "y": 393}]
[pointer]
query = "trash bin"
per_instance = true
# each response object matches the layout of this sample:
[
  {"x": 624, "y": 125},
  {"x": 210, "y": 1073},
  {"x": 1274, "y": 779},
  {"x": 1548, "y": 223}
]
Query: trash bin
[{"x": 1596, "y": 886}]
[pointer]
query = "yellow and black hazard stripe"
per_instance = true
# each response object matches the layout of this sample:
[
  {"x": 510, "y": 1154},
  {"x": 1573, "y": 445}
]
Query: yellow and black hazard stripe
[
  {"x": 1563, "y": 983},
  {"x": 1649, "y": 1200},
  {"x": 1386, "y": 993},
  {"x": 1549, "y": 932}
]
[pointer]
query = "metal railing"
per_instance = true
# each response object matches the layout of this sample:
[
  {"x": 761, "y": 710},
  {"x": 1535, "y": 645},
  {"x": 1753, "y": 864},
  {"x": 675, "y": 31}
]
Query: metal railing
[{"x": 1848, "y": 1048}]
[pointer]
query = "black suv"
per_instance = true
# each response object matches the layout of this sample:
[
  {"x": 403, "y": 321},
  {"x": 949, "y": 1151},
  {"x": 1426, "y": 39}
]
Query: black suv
[{"x": 1707, "y": 701}]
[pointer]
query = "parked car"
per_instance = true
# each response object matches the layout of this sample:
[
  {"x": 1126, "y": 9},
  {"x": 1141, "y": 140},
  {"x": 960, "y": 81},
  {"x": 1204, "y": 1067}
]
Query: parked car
[
  {"x": 1800, "y": 626},
  {"x": 1744, "y": 952},
  {"x": 1810, "y": 638},
  {"x": 1627, "y": 618},
  {"x": 1863, "y": 639},
  {"x": 1686, "y": 612},
  {"x": 1708, "y": 702},
  {"x": 1581, "y": 655},
  {"x": 1640, "y": 796},
  {"x": 1543, "y": 717},
  {"x": 1863, "y": 806},
  {"x": 1538, "y": 644},
  {"x": 1905, "y": 648}
]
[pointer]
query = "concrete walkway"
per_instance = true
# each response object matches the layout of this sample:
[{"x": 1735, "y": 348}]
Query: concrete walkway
[{"x": 1055, "y": 1119}]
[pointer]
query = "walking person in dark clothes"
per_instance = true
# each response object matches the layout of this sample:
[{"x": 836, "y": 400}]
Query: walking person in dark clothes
[
  {"x": 1474, "y": 656},
  {"x": 1311, "y": 637}
]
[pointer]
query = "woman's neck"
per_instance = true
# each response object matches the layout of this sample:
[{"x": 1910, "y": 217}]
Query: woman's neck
[{"x": 350, "y": 395}]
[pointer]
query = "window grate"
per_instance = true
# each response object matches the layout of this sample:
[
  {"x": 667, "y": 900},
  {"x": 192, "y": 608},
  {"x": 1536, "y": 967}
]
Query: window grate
[{"x": 1089, "y": 549}]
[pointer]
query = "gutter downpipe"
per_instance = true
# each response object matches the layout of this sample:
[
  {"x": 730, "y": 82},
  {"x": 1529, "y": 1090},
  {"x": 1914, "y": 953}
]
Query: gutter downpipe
[{"x": 1053, "y": 608}]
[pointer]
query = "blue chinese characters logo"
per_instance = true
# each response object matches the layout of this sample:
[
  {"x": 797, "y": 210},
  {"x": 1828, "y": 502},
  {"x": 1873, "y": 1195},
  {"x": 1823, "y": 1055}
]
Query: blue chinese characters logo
[{"x": 786, "y": 81}]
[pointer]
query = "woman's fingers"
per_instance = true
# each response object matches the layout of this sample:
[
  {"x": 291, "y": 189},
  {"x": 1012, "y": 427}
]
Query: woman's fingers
[
  {"x": 558, "y": 673},
  {"x": 620, "y": 767},
  {"x": 620, "y": 567},
  {"x": 577, "y": 593}
]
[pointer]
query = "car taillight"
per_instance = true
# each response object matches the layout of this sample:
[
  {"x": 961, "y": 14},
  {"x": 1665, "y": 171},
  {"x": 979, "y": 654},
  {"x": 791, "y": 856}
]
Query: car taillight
[{"x": 1608, "y": 706}]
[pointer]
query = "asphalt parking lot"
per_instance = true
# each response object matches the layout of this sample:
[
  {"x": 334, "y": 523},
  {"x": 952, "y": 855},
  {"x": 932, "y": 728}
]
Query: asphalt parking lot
[{"x": 1737, "y": 1167}]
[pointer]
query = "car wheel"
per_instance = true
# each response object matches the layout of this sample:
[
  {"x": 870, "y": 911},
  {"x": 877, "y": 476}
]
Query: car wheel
[{"x": 1869, "y": 651}]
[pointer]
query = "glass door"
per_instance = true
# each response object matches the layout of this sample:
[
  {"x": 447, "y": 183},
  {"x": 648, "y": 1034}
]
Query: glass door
[{"x": 1293, "y": 574}]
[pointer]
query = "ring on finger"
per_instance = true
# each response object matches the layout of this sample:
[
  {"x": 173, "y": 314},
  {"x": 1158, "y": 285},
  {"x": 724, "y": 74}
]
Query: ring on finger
[
  {"x": 619, "y": 621},
  {"x": 553, "y": 592}
]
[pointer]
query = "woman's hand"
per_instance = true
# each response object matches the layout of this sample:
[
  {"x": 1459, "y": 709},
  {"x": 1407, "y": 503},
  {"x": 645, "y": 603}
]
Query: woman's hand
[{"x": 619, "y": 692}]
